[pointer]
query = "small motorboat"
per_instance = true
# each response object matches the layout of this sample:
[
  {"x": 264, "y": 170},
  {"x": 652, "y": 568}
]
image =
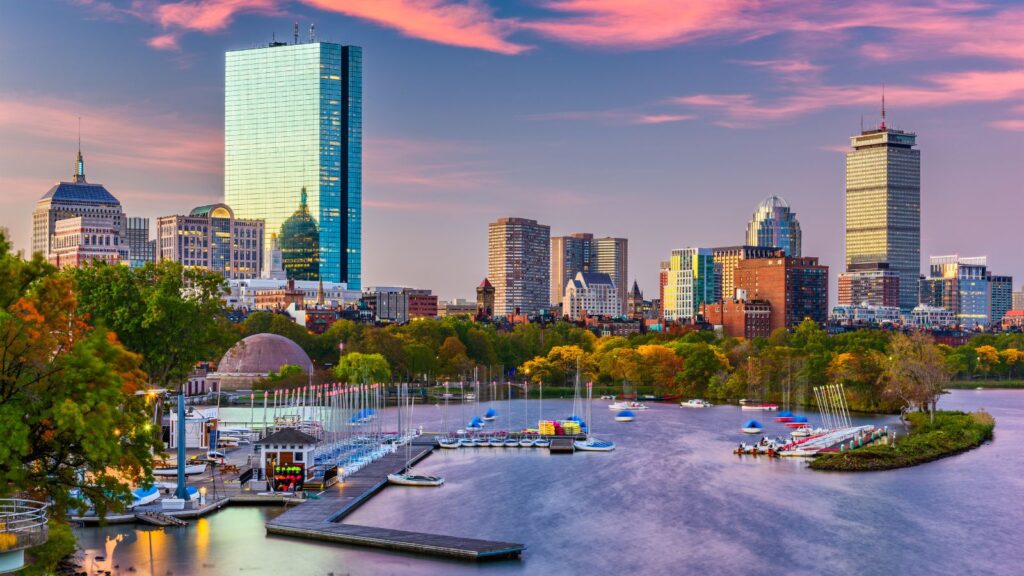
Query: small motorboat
[
  {"x": 696, "y": 403},
  {"x": 751, "y": 427},
  {"x": 495, "y": 442},
  {"x": 625, "y": 416},
  {"x": 476, "y": 423},
  {"x": 481, "y": 442},
  {"x": 594, "y": 445},
  {"x": 606, "y": 397},
  {"x": 798, "y": 422},
  {"x": 627, "y": 406},
  {"x": 541, "y": 443},
  {"x": 172, "y": 470},
  {"x": 511, "y": 443},
  {"x": 449, "y": 443},
  {"x": 802, "y": 432},
  {"x": 467, "y": 443},
  {"x": 414, "y": 480},
  {"x": 490, "y": 415},
  {"x": 525, "y": 443},
  {"x": 143, "y": 496}
]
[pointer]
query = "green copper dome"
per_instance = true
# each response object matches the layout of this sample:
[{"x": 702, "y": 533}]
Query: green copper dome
[{"x": 300, "y": 244}]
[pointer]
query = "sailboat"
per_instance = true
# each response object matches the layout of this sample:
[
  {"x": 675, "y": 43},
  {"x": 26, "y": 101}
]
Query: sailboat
[
  {"x": 592, "y": 444},
  {"x": 404, "y": 478}
]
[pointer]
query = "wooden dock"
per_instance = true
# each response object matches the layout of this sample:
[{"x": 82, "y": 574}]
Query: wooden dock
[
  {"x": 562, "y": 444},
  {"x": 159, "y": 519},
  {"x": 320, "y": 519}
]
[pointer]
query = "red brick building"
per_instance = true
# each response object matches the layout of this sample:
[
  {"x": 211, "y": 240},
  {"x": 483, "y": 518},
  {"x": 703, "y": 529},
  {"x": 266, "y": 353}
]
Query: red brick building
[
  {"x": 874, "y": 285},
  {"x": 422, "y": 304},
  {"x": 796, "y": 288},
  {"x": 740, "y": 318}
]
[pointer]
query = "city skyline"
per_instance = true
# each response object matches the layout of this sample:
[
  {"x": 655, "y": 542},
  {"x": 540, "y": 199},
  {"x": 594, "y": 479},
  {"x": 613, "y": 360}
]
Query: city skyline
[{"x": 158, "y": 151}]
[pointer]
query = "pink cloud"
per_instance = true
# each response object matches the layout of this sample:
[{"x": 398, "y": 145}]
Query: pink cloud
[
  {"x": 937, "y": 90},
  {"x": 1014, "y": 125},
  {"x": 662, "y": 118},
  {"x": 122, "y": 135},
  {"x": 467, "y": 24},
  {"x": 164, "y": 42},
  {"x": 209, "y": 15},
  {"x": 613, "y": 116},
  {"x": 785, "y": 66}
]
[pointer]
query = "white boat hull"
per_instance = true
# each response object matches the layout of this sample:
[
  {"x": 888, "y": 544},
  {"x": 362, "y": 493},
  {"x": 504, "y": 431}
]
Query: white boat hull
[
  {"x": 190, "y": 470},
  {"x": 412, "y": 480},
  {"x": 627, "y": 406},
  {"x": 751, "y": 430},
  {"x": 625, "y": 418}
]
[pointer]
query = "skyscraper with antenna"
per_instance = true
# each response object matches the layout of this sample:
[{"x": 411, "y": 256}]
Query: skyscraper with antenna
[{"x": 883, "y": 206}]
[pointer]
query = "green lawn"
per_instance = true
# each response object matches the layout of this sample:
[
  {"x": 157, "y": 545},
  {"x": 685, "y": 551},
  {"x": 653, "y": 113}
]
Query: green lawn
[{"x": 952, "y": 433}]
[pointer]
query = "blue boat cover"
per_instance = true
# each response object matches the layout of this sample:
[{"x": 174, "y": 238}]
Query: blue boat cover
[
  {"x": 800, "y": 419},
  {"x": 626, "y": 413},
  {"x": 785, "y": 414},
  {"x": 490, "y": 412},
  {"x": 752, "y": 424}
]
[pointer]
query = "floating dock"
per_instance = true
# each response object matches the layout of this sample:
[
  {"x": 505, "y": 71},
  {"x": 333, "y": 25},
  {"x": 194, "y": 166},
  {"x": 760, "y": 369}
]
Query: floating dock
[{"x": 320, "y": 519}]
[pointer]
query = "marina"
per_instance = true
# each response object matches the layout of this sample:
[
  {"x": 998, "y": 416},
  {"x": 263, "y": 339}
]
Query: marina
[{"x": 735, "y": 508}]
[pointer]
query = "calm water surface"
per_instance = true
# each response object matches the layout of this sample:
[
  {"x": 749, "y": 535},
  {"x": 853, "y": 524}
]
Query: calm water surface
[{"x": 671, "y": 499}]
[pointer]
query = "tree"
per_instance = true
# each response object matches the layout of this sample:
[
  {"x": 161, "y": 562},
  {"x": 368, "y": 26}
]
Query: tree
[
  {"x": 700, "y": 366},
  {"x": 658, "y": 366},
  {"x": 452, "y": 358},
  {"x": 172, "y": 316},
  {"x": 359, "y": 368},
  {"x": 916, "y": 373},
  {"x": 69, "y": 412}
]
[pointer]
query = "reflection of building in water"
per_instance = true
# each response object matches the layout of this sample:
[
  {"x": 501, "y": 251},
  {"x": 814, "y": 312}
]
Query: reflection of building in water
[{"x": 300, "y": 244}]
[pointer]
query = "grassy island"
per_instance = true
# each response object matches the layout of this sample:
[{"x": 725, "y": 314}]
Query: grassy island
[{"x": 951, "y": 433}]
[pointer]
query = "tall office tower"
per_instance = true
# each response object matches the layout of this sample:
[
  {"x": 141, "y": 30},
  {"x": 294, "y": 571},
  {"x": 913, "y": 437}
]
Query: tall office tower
[
  {"x": 727, "y": 258},
  {"x": 581, "y": 252},
  {"x": 141, "y": 248},
  {"x": 83, "y": 239},
  {"x": 293, "y": 119},
  {"x": 871, "y": 284},
  {"x": 774, "y": 225},
  {"x": 883, "y": 205},
  {"x": 959, "y": 285},
  {"x": 519, "y": 265},
  {"x": 796, "y": 288},
  {"x": 1000, "y": 297},
  {"x": 663, "y": 268},
  {"x": 690, "y": 282},
  {"x": 210, "y": 237},
  {"x": 76, "y": 198}
]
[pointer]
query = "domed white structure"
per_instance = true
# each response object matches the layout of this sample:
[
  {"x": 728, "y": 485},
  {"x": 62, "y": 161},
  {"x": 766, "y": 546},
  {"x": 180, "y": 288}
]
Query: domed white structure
[
  {"x": 774, "y": 224},
  {"x": 254, "y": 357}
]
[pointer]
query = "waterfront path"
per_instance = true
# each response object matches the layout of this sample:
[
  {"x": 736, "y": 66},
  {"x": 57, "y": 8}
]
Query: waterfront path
[{"x": 320, "y": 518}]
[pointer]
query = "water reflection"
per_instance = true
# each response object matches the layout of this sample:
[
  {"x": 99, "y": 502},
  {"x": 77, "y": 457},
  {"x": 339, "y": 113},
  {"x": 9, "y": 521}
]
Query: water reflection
[{"x": 671, "y": 499}]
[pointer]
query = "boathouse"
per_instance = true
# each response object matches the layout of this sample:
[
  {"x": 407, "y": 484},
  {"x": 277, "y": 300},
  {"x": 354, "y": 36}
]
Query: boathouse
[{"x": 286, "y": 459}]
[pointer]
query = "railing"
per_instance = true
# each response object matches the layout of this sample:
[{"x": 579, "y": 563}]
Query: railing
[{"x": 22, "y": 524}]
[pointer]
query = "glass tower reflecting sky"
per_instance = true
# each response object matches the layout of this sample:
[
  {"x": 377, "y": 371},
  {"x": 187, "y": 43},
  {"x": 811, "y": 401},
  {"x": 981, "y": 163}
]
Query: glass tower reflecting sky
[
  {"x": 774, "y": 225},
  {"x": 883, "y": 206},
  {"x": 293, "y": 120}
]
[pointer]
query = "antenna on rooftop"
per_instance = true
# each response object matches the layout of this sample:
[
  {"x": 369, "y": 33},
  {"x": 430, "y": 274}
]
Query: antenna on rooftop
[
  {"x": 295, "y": 33},
  {"x": 312, "y": 33},
  {"x": 883, "y": 106}
]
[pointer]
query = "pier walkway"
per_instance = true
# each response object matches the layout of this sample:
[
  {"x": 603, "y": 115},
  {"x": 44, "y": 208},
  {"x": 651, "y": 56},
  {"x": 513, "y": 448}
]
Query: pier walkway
[{"x": 320, "y": 518}]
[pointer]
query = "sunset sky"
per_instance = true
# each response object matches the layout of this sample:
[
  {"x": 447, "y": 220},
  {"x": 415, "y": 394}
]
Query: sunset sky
[{"x": 662, "y": 121}]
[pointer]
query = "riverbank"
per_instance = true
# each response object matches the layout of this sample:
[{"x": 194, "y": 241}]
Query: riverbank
[
  {"x": 973, "y": 384},
  {"x": 950, "y": 434}
]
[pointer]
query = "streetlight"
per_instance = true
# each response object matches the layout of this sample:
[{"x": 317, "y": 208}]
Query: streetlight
[{"x": 202, "y": 495}]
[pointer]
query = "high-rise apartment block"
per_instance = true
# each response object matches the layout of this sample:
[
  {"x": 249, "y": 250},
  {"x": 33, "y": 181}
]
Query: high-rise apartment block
[
  {"x": 293, "y": 120},
  {"x": 774, "y": 225},
  {"x": 581, "y": 252},
  {"x": 883, "y": 205},
  {"x": 869, "y": 284},
  {"x": 1000, "y": 290},
  {"x": 960, "y": 285},
  {"x": 211, "y": 238},
  {"x": 1018, "y": 300},
  {"x": 690, "y": 282},
  {"x": 73, "y": 199},
  {"x": 140, "y": 246},
  {"x": 796, "y": 288},
  {"x": 727, "y": 258},
  {"x": 519, "y": 266}
]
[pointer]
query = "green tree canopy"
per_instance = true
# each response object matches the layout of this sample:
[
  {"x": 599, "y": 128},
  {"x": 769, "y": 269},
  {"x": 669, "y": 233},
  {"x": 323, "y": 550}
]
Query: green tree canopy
[{"x": 359, "y": 368}]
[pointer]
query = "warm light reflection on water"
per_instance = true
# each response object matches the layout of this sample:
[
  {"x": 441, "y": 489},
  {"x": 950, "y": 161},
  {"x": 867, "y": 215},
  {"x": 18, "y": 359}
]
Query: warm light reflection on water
[{"x": 672, "y": 499}]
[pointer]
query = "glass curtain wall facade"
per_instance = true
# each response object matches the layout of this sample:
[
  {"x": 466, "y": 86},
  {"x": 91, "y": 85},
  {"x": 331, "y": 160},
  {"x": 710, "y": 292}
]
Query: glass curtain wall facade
[
  {"x": 690, "y": 282},
  {"x": 774, "y": 225},
  {"x": 883, "y": 206},
  {"x": 293, "y": 120}
]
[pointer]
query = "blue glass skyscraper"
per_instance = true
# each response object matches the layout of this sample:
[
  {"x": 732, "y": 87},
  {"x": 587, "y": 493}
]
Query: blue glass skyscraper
[{"x": 293, "y": 119}]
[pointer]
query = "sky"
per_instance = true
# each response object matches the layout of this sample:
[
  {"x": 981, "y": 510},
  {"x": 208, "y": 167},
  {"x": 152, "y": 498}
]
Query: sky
[{"x": 662, "y": 121}]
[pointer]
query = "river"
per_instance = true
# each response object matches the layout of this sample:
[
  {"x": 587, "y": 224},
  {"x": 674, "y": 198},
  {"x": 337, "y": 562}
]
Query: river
[{"x": 671, "y": 499}]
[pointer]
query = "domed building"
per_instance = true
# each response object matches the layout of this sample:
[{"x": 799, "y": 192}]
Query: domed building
[
  {"x": 775, "y": 225},
  {"x": 300, "y": 244},
  {"x": 252, "y": 359}
]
